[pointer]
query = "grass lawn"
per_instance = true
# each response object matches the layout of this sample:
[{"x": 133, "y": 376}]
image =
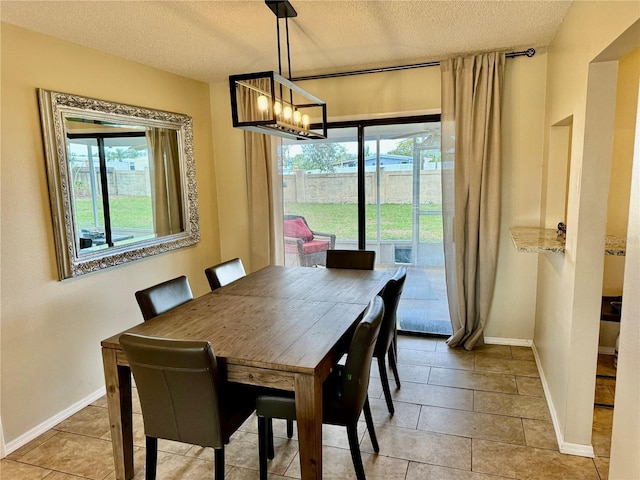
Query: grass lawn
[
  {"x": 395, "y": 220},
  {"x": 340, "y": 219},
  {"x": 126, "y": 212}
]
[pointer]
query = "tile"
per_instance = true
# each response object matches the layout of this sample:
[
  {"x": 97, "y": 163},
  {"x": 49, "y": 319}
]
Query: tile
[
  {"x": 513, "y": 405},
  {"x": 602, "y": 464},
  {"x": 434, "y": 395},
  {"x": 17, "y": 454},
  {"x": 472, "y": 424},
  {"x": 601, "y": 431},
  {"x": 20, "y": 471},
  {"x": 501, "y": 351},
  {"x": 605, "y": 366},
  {"x": 449, "y": 377},
  {"x": 522, "y": 353},
  {"x": 603, "y": 395},
  {"x": 61, "y": 476},
  {"x": 139, "y": 458},
  {"x": 406, "y": 414},
  {"x": 375, "y": 387},
  {"x": 425, "y": 447},
  {"x": 539, "y": 434},
  {"x": 422, "y": 471},
  {"x": 90, "y": 421},
  {"x": 526, "y": 463},
  {"x": 462, "y": 361},
  {"x": 242, "y": 451},
  {"x": 456, "y": 410},
  {"x": 608, "y": 381},
  {"x": 506, "y": 365},
  {"x": 101, "y": 402},
  {"x": 74, "y": 454},
  {"x": 530, "y": 386},
  {"x": 337, "y": 465},
  {"x": 171, "y": 466},
  {"x": 237, "y": 473},
  {"x": 407, "y": 373},
  {"x": 417, "y": 343}
]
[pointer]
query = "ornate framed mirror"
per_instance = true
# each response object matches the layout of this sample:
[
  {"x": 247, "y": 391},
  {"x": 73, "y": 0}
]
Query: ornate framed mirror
[{"x": 121, "y": 181}]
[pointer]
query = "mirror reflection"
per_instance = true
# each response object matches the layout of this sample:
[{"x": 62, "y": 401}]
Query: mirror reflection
[
  {"x": 138, "y": 169},
  {"x": 122, "y": 184}
]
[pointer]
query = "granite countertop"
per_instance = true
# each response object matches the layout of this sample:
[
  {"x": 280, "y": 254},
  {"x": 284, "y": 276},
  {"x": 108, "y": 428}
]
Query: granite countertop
[{"x": 546, "y": 240}]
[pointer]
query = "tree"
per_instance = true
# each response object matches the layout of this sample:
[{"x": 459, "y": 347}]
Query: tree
[
  {"x": 320, "y": 156},
  {"x": 120, "y": 154},
  {"x": 405, "y": 147}
]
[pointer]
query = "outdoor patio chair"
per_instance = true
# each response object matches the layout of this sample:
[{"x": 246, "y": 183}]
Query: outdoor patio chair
[{"x": 305, "y": 247}]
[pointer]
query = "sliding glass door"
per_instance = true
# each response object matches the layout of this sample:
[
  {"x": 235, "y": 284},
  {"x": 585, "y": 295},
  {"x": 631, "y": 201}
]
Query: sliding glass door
[{"x": 373, "y": 185}]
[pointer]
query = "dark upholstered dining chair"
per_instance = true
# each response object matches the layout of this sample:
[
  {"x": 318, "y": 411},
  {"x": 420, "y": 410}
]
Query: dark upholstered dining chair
[
  {"x": 344, "y": 394},
  {"x": 224, "y": 273},
  {"x": 184, "y": 397},
  {"x": 386, "y": 344},
  {"x": 163, "y": 297},
  {"x": 354, "y": 259}
]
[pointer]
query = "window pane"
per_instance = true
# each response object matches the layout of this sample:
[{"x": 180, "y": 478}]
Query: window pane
[
  {"x": 128, "y": 179},
  {"x": 321, "y": 186}
]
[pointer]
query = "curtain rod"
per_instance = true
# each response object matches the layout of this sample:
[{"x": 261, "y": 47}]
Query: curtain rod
[{"x": 530, "y": 52}]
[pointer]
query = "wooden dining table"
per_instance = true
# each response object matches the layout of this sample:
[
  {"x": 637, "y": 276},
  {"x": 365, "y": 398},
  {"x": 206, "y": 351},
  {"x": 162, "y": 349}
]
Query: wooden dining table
[{"x": 280, "y": 327}]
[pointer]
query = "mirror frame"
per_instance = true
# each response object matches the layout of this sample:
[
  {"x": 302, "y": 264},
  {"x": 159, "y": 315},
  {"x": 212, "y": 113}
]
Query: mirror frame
[{"x": 54, "y": 108}]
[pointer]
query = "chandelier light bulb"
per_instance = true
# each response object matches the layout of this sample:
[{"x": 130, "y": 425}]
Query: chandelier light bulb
[
  {"x": 287, "y": 112},
  {"x": 277, "y": 108},
  {"x": 263, "y": 103},
  {"x": 297, "y": 116},
  {"x": 305, "y": 121}
]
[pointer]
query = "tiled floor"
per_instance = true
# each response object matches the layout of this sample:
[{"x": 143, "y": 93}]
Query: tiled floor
[{"x": 459, "y": 416}]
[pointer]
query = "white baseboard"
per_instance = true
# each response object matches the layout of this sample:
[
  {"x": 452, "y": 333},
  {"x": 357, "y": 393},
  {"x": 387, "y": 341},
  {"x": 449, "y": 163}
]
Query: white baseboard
[
  {"x": 514, "y": 342},
  {"x": 52, "y": 422},
  {"x": 2, "y": 449},
  {"x": 565, "y": 447}
]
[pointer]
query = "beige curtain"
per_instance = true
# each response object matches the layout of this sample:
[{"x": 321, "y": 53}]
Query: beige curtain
[
  {"x": 166, "y": 192},
  {"x": 471, "y": 102},
  {"x": 264, "y": 191}
]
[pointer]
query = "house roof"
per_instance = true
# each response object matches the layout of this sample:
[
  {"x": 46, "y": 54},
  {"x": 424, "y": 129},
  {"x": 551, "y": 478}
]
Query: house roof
[{"x": 209, "y": 40}]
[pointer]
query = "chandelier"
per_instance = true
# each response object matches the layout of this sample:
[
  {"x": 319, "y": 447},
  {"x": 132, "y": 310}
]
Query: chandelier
[{"x": 267, "y": 102}]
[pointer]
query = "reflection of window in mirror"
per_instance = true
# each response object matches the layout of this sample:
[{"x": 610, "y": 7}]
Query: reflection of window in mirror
[{"x": 120, "y": 183}]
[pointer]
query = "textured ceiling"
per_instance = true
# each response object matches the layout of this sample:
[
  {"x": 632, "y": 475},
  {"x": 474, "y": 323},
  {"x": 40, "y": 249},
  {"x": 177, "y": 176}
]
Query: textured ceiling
[{"x": 210, "y": 40}]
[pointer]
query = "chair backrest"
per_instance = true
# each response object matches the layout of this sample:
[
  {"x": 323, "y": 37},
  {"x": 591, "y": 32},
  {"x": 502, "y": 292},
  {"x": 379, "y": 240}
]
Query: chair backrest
[
  {"x": 179, "y": 388},
  {"x": 225, "y": 273},
  {"x": 355, "y": 378},
  {"x": 391, "y": 297},
  {"x": 163, "y": 297},
  {"x": 353, "y": 259}
]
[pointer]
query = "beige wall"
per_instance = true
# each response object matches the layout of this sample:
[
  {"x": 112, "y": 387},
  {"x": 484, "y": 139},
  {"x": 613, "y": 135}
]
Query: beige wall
[
  {"x": 569, "y": 286},
  {"x": 620, "y": 183},
  {"x": 51, "y": 330},
  {"x": 625, "y": 442}
]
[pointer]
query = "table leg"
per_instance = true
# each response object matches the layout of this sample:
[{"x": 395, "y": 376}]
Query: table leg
[
  {"x": 118, "y": 383},
  {"x": 308, "y": 391}
]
